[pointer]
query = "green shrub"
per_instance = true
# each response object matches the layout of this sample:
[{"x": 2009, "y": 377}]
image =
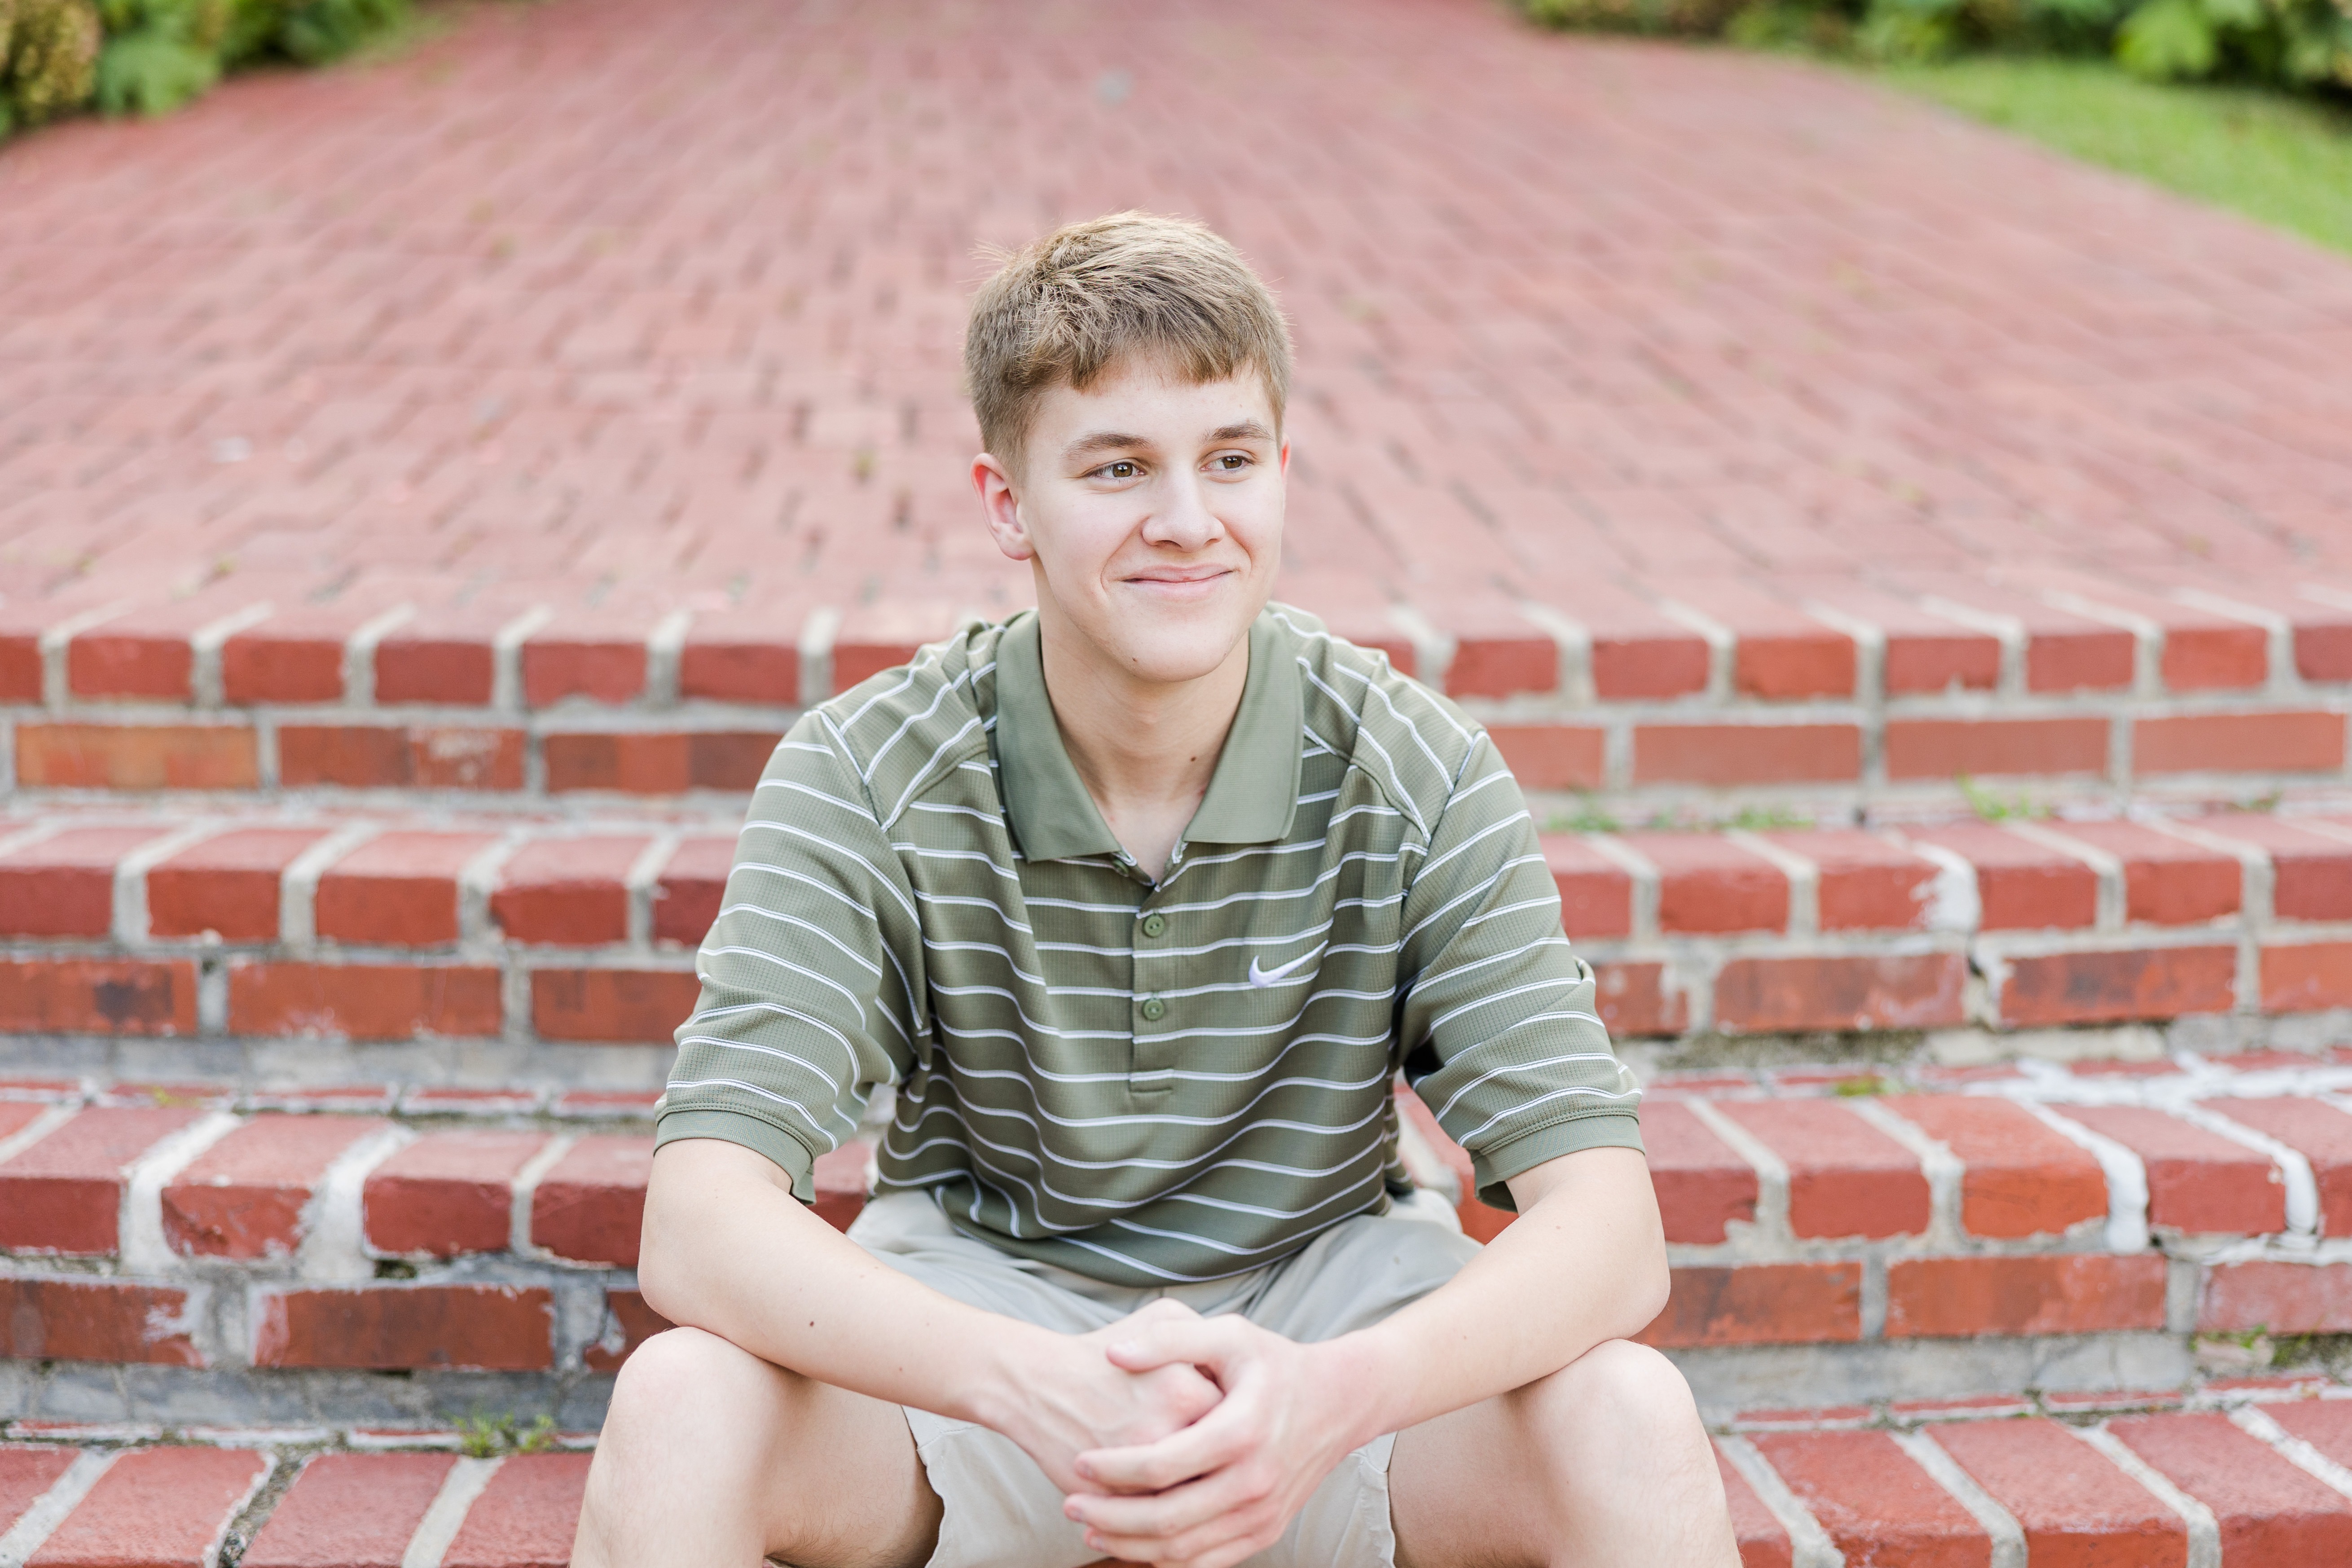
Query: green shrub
[
  {"x": 51, "y": 59},
  {"x": 2292, "y": 43}
]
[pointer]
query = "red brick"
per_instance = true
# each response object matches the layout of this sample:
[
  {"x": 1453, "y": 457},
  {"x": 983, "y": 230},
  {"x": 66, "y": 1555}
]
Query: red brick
[
  {"x": 741, "y": 670},
  {"x": 2324, "y": 1424},
  {"x": 2020, "y": 885},
  {"x": 2307, "y": 977},
  {"x": 1596, "y": 894},
  {"x": 567, "y": 891},
  {"x": 688, "y": 893},
  {"x": 859, "y": 659},
  {"x": 388, "y": 1328},
  {"x": 2019, "y": 1177},
  {"x": 398, "y": 889},
  {"x": 526, "y": 1517},
  {"x": 2321, "y": 1133},
  {"x": 2270, "y": 1513},
  {"x": 136, "y": 756},
  {"x": 93, "y": 1319},
  {"x": 227, "y": 884},
  {"x": 1501, "y": 664},
  {"x": 2077, "y": 1508},
  {"x": 63, "y": 885},
  {"x": 20, "y": 668},
  {"x": 365, "y": 1001},
  {"x": 97, "y": 996},
  {"x": 2048, "y": 1293},
  {"x": 729, "y": 760},
  {"x": 2117, "y": 986},
  {"x": 25, "y": 1474},
  {"x": 1702, "y": 1185},
  {"x": 1763, "y": 1542},
  {"x": 351, "y": 1510},
  {"x": 2279, "y": 1298},
  {"x": 401, "y": 756},
  {"x": 1746, "y": 754},
  {"x": 590, "y": 1206},
  {"x": 1845, "y": 1176},
  {"x": 1915, "y": 991},
  {"x": 632, "y": 762},
  {"x": 458, "y": 671},
  {"x": 2240, "y": 744},
  {"x": 447, "y": 1194},
  {"x": 1633, "y": 999},
  {"x": 64, "y": 1192},
  {"x": 155, "y": 1508},
  {"x": 601, "y": 670},
  {"x": 1779, "y": 653},
  {"x": 1552, "y": 756},
  {"x": 2310, "y": 874},
  {"x": 275, "y": 663},
  {"x": 245, "y": 1196},
  {"x": 1628, "y": 668},
  {"x": 1952, "y": 748},
  {"x": 129, "y": 662},
  {"x": 612, "y": 1005},
  {"x": 1760, "y": 1304},
  {"x": 1707, "y": 883},
  {"x": 1875, "y": 1501},
  {"x": 2166, "y": 881},
  {"x": 1865, "y": 883},
  {"x": 628, "y": 1323},
  {"x": 2197, "y": 1181}
]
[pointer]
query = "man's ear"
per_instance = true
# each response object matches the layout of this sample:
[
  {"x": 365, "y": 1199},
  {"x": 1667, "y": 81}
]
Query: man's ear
[{"x": 1001, "y": 502}]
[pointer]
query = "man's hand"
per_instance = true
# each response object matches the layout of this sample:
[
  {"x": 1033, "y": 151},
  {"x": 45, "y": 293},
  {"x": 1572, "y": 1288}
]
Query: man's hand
[
  {"x": 1084, "y": 1399},
  {"x": 1225, "y": 1486}
]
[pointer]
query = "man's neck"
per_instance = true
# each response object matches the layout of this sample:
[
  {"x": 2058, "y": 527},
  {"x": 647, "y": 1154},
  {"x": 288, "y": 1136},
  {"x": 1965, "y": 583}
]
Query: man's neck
[{"x": 1145, "y": 750}]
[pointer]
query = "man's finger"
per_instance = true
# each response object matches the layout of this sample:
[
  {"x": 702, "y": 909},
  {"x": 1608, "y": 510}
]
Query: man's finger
[
  {"x": 1175, "y": 1526},
  {"x": 1210, "y": 1443},
  {"x": 1202, "y": 1342}
]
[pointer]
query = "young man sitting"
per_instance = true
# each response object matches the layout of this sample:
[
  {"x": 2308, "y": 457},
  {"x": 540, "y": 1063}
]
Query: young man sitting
[{"x": 1140, "y": 902}]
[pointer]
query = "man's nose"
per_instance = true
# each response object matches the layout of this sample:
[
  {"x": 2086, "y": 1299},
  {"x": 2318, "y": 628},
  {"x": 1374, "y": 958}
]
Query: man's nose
[{"x": 1185, "y": 521}]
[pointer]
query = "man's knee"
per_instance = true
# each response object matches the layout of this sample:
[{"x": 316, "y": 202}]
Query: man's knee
[
  {"x": 1618, "y": 1394},
  {"x": 685, "y": 1376}
]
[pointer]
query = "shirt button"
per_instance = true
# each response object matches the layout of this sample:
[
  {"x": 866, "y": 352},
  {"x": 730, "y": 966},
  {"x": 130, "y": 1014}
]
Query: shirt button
[
  {"x": 1154, "y": 1009},
  {"x": 1155, "y": 925}
]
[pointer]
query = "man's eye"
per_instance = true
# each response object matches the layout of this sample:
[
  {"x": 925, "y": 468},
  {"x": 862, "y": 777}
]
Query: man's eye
[
  {"x": 1232, "y": 460},
  {"x": 1121, "y": 470}
]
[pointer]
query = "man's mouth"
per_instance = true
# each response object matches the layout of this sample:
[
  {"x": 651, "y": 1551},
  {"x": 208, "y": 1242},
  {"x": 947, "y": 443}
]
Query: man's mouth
[{"x": 1179, "y": 575}]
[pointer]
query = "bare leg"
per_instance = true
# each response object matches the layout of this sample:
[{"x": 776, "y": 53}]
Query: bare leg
[
  {"x": 714, "y": 1459},
  {"x": 1604, "y": 1464}
]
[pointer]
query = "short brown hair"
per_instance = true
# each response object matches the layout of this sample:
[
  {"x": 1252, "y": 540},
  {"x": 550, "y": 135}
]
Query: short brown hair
[{"x": 1067, "y": 308}]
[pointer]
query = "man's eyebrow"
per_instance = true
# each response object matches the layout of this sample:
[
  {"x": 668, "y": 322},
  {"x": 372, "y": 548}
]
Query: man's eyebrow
[
  {"x": 1104, "y": 441},
  {"x": 1247, "y": 430}
]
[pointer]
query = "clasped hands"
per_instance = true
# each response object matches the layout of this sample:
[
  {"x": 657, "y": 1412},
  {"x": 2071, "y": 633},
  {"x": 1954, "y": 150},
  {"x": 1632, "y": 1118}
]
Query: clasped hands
[{"x": 1184, "y": 1441}]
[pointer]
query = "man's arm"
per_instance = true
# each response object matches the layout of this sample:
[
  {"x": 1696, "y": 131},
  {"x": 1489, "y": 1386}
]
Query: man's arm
[
  {"x": 729, "y": 1249},
  {"x": 1586, "y": 1262}
]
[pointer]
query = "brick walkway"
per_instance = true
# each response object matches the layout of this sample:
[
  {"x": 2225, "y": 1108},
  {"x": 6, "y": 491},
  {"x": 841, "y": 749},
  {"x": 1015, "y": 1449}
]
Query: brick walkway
[{"x": 621, "y": 309}]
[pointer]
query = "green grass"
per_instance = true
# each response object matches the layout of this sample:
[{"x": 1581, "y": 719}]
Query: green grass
[{"x": 2283, "y": 160}]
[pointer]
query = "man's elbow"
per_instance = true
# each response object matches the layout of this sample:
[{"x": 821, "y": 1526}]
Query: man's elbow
[{"x": 1650, "y": 1284}]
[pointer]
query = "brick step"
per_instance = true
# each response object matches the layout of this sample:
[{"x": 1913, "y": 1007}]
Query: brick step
[
  {"x": 1836, "y": 688},
  {"x": 2225, "y": 1477},
  {"x": 1948, "y": 1234},
  {"x": 368, "y": 932}
]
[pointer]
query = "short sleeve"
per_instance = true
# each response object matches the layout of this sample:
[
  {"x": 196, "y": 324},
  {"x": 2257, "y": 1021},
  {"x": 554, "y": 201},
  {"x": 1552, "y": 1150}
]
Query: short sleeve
[
  {"x": 1497, "y": 1020},
  {"x": 807, "y": 1000}
]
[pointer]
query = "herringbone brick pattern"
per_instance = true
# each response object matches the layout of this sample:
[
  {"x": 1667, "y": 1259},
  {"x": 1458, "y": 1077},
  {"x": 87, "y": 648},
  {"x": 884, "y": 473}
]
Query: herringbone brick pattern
[{"x": 621, "y": 311}]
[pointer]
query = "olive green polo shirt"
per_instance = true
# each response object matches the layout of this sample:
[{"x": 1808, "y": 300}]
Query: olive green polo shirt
[{"x": 1144, "y": 1081}]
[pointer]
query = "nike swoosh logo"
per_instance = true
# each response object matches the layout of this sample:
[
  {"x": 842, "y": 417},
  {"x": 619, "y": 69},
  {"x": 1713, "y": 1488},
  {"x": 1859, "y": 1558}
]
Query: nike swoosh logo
[{"x": 1261, "y": 977}]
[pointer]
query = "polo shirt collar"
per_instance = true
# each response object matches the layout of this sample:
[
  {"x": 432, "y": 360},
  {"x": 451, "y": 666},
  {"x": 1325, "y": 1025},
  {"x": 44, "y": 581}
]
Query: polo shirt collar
[{"x": 1252, "y": 795}]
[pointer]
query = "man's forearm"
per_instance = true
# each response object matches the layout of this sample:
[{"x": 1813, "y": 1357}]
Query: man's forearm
[
  {"x": 729, "y": 1249},
  {"x": 1585, "y": 1262}
]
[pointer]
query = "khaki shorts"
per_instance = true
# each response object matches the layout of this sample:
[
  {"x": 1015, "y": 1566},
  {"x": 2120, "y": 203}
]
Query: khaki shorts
[{"x": 1001, "y": 1511}]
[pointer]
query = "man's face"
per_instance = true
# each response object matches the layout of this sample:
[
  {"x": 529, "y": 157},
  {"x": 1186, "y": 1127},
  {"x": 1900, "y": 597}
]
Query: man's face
[{"x": 1150, "y": 510}]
